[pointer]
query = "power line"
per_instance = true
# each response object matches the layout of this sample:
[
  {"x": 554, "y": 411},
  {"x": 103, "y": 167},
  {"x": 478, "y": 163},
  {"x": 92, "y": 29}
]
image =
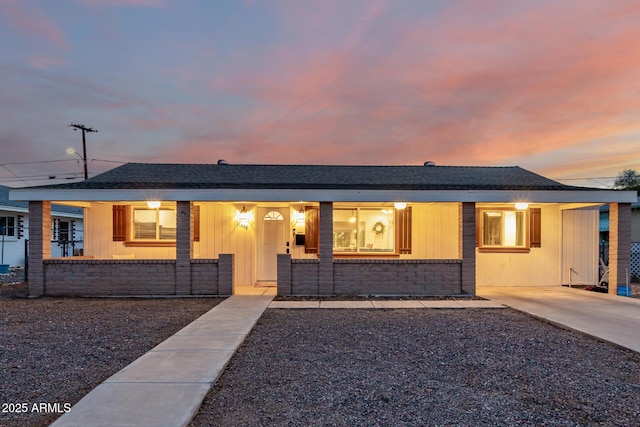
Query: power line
[
  {"x": 38, "y": 162},
  {"x": 582, "y": 179},
  {"x": 48, "y": 176},
  {"x": 12, "y": 173}
]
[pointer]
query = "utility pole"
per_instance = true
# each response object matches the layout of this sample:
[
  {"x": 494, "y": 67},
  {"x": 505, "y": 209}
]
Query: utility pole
[{"x": 84, "y": 129}]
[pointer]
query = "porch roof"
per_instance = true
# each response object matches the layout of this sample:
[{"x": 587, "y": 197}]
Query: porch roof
[{"x": 314, "y": 182}]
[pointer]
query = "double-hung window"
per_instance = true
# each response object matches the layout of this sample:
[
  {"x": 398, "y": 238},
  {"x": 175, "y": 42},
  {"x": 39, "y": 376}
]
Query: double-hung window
[
  {"x": 154, "y": 224},
  {"x": 8, "y": 226}
]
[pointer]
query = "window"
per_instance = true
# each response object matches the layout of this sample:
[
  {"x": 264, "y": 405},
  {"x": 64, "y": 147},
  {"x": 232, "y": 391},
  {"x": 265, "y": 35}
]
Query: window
[
  {"x": 364, "y": 230},
  {"x": 62, "y": 230},
  {"x": 503, "y": 230},
  {"x": 154, "y": 224},
  {"x": 273, "y": 216},
  {"x": 8, "y": 226},
  {"x": 149, "y": 227}
]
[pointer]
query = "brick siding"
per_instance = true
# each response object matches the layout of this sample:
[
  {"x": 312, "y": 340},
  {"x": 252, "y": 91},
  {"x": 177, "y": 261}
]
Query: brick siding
[
  {"x": 371, "y": 277},
  {"x": 87, "y": 277},
  {"x": 109, "y": 277},
  {"x": 397, "y": 277},
  {"x": 204, "y": 277}
]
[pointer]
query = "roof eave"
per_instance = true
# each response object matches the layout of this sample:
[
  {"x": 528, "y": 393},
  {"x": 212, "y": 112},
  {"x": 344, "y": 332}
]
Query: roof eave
[{"x": 327, "y": 195}]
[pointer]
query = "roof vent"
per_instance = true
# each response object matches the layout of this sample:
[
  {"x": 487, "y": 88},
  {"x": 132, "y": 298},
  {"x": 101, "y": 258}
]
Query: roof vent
[
  {"x": 429, "y": 163},
  {"x": 222, "y": 162}
]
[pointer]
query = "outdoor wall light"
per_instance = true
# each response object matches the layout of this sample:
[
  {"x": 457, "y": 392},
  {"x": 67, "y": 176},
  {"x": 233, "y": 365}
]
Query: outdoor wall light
[
  {"x": 300, "y": 217},
  {"x": 244, "y": 218},
  {"x": 400, "y": 205},
  {"x": 153, "y": 204},
  {"x": 522, "y": 206}
]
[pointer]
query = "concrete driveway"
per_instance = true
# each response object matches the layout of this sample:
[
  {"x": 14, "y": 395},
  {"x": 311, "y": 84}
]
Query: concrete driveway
[{"x": 608, "y": 317}]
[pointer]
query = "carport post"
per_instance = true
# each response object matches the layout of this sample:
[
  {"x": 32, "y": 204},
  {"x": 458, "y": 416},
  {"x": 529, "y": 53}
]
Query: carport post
[{"x": 619, "y": 244}]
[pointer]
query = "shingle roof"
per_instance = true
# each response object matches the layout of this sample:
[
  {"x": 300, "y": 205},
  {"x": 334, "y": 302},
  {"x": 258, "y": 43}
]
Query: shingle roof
[{"x": 143, "y": 176}]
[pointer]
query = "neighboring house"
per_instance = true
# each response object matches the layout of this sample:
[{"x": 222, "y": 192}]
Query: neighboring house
[
  {"x": 634, "y": 269},
  {"x": 635, "y": 222},
  {"x": 178, "y": 229},
  {"x": 66, "y": 226}
]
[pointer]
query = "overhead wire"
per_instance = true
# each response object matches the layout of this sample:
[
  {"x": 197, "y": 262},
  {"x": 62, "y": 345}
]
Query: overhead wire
[{"x": 47, "y": 176}]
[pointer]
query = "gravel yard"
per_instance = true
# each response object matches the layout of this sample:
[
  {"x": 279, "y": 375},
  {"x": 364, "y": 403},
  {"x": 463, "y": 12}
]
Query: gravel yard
[
  {"x": 55, "y": 350},
  {"x": 422, "y": 367}
]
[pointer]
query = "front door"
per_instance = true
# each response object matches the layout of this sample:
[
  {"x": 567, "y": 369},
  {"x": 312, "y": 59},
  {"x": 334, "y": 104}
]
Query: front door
[{"x": 273, "y": 231}]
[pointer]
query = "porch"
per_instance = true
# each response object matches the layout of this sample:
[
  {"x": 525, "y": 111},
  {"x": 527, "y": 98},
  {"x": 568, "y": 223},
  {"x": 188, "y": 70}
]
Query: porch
[{"x": 312, "y": 248}]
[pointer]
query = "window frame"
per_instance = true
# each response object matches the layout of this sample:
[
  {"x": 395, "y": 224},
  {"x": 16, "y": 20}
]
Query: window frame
[
  {"x": 122, "y": 228},
  {"x": 157, "y": 239},
  {"x": 13, "y": 228},
  {"x": 359, "y": 252},
  {"x": 526, "y": 231}
]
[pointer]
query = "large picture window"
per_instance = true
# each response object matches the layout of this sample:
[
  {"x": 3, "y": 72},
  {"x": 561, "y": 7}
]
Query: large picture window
[
  {"x": 154, "y": 224},
  {"x": 364, "y": 230}
]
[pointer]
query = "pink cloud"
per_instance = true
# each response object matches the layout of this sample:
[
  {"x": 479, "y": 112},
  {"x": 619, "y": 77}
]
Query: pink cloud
[
  {"x": 469, "y": 84},
  {"x": 32, "y": 22}
]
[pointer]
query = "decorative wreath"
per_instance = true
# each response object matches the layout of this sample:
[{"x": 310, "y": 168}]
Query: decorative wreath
[{"x": 378, "y": 228}]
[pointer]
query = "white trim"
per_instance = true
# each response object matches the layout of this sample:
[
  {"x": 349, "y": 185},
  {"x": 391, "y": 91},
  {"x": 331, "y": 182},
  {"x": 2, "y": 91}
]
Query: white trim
[
  {"x": 279, "y": 195},
  {"x": 19, "y": 210},
  {"x": 13, "y": 209}
]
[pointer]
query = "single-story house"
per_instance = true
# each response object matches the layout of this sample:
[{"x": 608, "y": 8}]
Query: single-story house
[
  {"x": 200, "y": 229},
  {"x": 65, "y": 236}
]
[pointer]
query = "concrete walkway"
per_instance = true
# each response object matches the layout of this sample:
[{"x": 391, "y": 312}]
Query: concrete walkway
[
  {"x": 166, "y": 386},
  {"x": 609, "y": 317}
]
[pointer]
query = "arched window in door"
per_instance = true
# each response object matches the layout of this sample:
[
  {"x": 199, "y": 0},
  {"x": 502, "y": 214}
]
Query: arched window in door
[{"x": 273, "y": 216}]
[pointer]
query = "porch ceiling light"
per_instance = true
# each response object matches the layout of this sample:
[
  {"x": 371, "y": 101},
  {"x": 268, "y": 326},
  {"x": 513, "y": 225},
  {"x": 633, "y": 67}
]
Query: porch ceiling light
[
  {"x": 400, "y": 205},
  {"x": 522, "y": 206},
  {"x": 153, "y": 204},
  {"x": 244, "y": 218}
]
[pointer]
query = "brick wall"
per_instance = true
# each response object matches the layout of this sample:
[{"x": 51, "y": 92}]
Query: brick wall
[
  {"x": 305, "y": 277},
  {"x": 88, "y": 277},
  {"x": 371, "y": 277},
  {"x": 204, "y": 277},
  {"x": 619, "y": 244},
  {"x": 109, "y": 277},
  {"x": 397, "y": 277},
  {"x": 467, "y": 227},
  {"x": 39, "y": 246}
]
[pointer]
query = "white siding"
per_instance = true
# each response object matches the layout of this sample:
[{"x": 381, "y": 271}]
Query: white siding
[
  {"x": 220, "y": 234},
  {"x": 98, "y": 237},
  {"x": 580, "y": 246},
  {"x": 435, "y": 231},
  {"x": 539, "y": 267},
  {"x": 14, "y": 247}
]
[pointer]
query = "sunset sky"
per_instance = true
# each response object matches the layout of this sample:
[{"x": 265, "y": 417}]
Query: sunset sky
[{"x": 552, "y": 86}]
